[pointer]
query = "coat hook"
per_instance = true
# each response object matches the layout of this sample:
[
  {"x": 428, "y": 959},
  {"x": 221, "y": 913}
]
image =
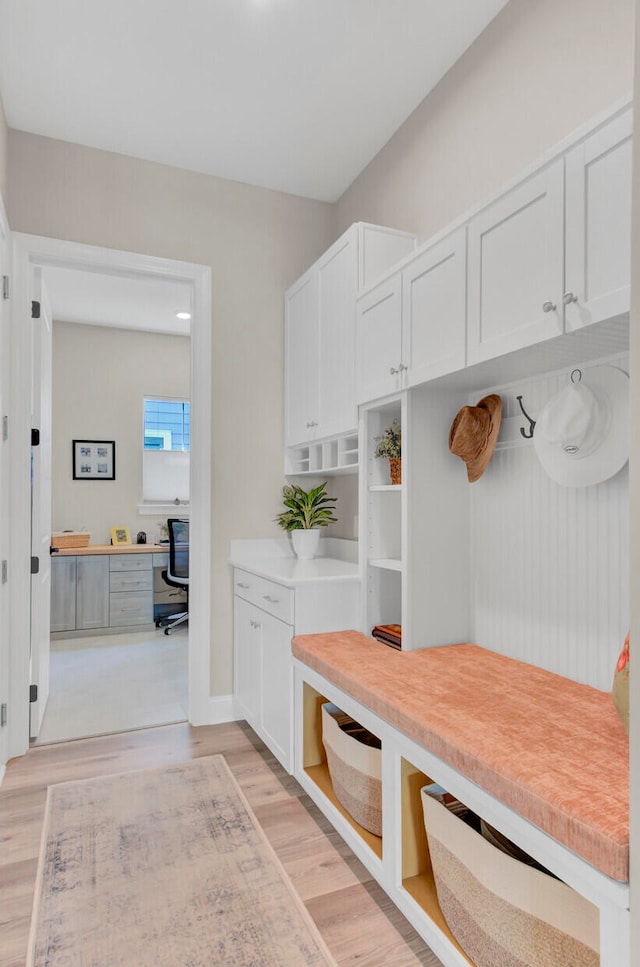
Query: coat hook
[{"x": 527, "y": 434}]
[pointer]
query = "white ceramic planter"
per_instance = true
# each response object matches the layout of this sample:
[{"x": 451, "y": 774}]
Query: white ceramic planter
[{"x": 305, "y": 543}]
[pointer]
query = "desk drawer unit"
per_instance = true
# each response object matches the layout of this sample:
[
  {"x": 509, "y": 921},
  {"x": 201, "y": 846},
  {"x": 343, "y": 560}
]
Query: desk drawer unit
[
  {"x": 130, "y": 581},
  {"x": 273, "y": 598},
  {"x": 130, "y": 608}
]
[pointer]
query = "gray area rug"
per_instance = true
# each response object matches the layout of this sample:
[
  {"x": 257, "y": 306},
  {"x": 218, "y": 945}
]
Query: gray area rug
[{"x": 168, "y": 867}]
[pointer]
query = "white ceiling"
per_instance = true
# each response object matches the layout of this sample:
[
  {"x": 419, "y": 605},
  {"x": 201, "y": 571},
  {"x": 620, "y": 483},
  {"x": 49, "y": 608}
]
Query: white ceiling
[
  {"x": 109, "y": 300},
  {"x": 293, "y": 95}
]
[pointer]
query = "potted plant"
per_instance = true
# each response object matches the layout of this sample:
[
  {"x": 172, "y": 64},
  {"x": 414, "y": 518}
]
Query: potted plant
[
  {"x": 389, "y": 445},
  {"x": 306, "y": 512}
]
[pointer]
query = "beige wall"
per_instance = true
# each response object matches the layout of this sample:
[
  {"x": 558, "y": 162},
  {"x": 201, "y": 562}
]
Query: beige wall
[
  {"x": 257, "y": 242},
  {"x": 537, "y": 73},
  {"x": 88, "y": 363}
]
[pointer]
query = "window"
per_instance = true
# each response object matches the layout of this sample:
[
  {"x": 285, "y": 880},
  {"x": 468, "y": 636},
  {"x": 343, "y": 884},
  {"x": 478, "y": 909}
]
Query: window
[
  {"x": 165, "y": 457},
  {"x": 167, "y": 424}
]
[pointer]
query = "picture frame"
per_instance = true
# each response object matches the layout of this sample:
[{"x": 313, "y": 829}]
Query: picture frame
[
  {"x": 120, "y": 535},
  {"x": 94, "y": 460}
]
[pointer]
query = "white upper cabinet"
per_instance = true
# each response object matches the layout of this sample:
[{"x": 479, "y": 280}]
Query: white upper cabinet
[
  {"x": 337, "y": 273},
  {"x": 434, "y": 310},
  {"x": 516, "y": 267},
  {"x": 554, "y": 253},
  {"x": 411, "y": 327},
  {"x": 320, "y": 398},
  {"x": 380, "y": 368},
  {"x": 301, "y": 359},
  {"x": 598, "y": 226}
]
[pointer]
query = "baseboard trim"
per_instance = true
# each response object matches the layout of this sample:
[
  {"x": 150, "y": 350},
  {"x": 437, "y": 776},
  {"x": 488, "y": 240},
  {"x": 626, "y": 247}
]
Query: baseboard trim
[{"x": 216, "y": 710}]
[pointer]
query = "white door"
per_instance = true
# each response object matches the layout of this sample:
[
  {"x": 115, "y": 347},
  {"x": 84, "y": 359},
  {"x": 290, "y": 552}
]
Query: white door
[
  {"x": 337, "y": 279},
  {"x": 276, "y": 686},
  {"x": 516, "y": 267},
  {"x": 598, "y": 243},
  {"x": 40, "y": 502},
  {"x": 4, "y": 502},
  {"x": 379, "y": 341},
  {"x": 434, "y": 306},
  {"x": 301, "y": 360}
]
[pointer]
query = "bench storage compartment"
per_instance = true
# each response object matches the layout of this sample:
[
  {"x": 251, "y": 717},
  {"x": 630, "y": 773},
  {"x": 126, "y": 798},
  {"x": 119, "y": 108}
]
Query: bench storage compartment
[
  {"x": 501, "y": 910},
  {"x": 354, "y": 762}
]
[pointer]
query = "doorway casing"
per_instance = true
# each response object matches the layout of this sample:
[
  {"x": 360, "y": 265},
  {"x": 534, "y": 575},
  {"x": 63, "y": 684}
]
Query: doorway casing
[{"x": 28, "y": 253}]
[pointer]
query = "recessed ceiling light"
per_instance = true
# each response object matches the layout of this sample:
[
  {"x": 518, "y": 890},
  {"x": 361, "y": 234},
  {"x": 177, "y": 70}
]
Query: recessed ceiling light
[{"x": 183, "y": 315}]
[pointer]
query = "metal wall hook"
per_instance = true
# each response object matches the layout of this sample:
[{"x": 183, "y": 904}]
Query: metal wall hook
[{"x": 527, "y": 434}]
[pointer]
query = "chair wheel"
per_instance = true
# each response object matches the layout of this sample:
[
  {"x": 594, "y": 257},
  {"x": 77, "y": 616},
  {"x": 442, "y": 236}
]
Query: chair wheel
[{"x": 167, "y": 631}]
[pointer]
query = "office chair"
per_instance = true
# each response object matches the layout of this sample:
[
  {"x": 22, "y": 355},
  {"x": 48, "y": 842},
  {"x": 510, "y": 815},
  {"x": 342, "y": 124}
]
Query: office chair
[{"x": 177, "y": 573}]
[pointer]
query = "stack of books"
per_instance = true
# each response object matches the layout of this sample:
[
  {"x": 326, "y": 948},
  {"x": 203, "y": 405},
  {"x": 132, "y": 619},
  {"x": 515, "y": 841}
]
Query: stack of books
[{"x": 389, "y": 634}]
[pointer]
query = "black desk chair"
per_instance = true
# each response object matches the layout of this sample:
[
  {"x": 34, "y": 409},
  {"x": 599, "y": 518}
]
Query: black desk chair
[{"x": 177, "y": 574}]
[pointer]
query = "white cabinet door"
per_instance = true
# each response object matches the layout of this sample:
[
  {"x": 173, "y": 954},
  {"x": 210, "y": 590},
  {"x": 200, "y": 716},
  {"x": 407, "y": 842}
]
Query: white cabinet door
[
  {"x": 301, "y": 360},
  {"x": 92, "y": 591},
  {"x": 276, "y": 687},
  {"x": 598, "y": 225},
  {"x": 248, "y": 661},
  {"x": 516, "y": 258},
  {"x": 434, "y": 309},
  {"x": 337, "y": 280},
  {"x": 379, "y": 361}
]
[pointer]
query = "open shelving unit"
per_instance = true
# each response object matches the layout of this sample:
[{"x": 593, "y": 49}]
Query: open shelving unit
[{"x": 335, "y": 456}]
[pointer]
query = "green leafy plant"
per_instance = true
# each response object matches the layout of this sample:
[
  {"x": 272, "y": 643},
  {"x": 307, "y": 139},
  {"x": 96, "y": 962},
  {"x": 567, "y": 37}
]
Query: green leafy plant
[
  {"x": 389, "y": 444},
  {"x": 306, "y": 508}
]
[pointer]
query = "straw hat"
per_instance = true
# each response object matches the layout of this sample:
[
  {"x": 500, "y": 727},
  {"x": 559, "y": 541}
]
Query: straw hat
[
  {"x": 582, "y": 435},
  {"x": 474, "y": 432}
]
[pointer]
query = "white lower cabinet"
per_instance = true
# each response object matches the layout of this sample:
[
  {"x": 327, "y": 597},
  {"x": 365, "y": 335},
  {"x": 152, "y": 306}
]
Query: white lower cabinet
[{"x": 267, "y": 614}]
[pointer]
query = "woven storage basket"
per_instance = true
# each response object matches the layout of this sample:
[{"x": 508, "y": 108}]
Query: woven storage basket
[
  {"x": 354, "y": 767},
  {"x": 500, "y": 910},
  {"x": 70, "y": 539}
]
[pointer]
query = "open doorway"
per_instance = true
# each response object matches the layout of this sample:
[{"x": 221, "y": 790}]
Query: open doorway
[
  {"x": 120, "y": 384},
  {"x": 51, "y": 256}
]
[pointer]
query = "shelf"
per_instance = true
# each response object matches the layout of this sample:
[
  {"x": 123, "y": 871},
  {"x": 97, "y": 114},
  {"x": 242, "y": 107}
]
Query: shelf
[
  {"x": 319, "y": 775},
  {"x": 387, "y": 564},
  {"x": 335, "y": 456},
  {"x": 385, "y": 488}
]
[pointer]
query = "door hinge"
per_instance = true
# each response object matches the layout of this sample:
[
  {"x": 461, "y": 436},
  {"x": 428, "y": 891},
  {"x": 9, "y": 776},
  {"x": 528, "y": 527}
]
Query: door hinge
[
  {"x": 5, "y": 429},
  {"x": 35, "y": 310},
  {"x": 35, "y": 565},
  {"x": 3, "y": 715},
  {"x": 5, "y": 286},
  {"x": 5, "y": 572},
  {"x": 33, "y": 693},
  {"x": 35, "y": 437}
]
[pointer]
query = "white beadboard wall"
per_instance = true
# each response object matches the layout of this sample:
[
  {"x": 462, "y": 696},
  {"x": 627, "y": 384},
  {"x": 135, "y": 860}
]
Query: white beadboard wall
[{"x": 550, "y": 573}]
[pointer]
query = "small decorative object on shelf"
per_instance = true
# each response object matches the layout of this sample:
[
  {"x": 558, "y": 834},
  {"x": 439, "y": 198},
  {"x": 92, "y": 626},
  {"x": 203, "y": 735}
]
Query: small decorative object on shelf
[
  {"x": 306, "y": 512},
  {"x": 390, "y": 445}
]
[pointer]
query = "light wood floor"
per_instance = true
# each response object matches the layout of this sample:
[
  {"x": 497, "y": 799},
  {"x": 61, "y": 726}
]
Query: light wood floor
[{"x": 358, "y": 922}]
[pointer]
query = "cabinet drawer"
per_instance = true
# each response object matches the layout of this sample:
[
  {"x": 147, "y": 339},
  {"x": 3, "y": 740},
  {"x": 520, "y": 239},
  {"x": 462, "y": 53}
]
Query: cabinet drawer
[
  {"x": 130, "y": 608},
  {"x": 268, "y": 595},
  {"x": 130, "y": 562},
  {"x": 130, "y": 581}
]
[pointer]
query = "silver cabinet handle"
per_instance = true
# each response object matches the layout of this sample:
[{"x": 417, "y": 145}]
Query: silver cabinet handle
[
  {"x": 402, "y": 368},
  {"x": 245, "y": 586},
  {"x": 549, "y": 307},
  {"x": 568, "y": 298},
  {"x": 254, "y": 624},
  {"x": 311, "y": 423},
  {"x": 392, "y": 371},
  {"x": 267, "y": 597}
]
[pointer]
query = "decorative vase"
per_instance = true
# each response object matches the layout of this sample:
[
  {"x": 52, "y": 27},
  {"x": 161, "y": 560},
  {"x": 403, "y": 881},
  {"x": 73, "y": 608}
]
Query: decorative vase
[
  {"x": 305, "y": 543},
  {"x": 395, "y": 469}
]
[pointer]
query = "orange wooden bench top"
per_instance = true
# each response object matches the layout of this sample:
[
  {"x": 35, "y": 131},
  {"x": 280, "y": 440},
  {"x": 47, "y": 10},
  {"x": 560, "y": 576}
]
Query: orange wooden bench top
[{"x": 551, "y": 749}]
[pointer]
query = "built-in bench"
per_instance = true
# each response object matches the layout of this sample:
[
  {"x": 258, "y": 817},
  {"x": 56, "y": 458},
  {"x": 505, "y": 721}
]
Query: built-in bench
[{"x": 551, "y": 749}]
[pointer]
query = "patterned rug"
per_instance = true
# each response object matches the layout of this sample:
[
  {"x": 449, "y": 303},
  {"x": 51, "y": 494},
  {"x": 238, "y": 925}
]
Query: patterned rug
[{"x": 164, "y": 867}]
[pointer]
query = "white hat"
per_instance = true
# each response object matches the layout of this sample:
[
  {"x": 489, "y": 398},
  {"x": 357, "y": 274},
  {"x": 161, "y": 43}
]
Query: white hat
[{"x": 582, "y": 435}]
